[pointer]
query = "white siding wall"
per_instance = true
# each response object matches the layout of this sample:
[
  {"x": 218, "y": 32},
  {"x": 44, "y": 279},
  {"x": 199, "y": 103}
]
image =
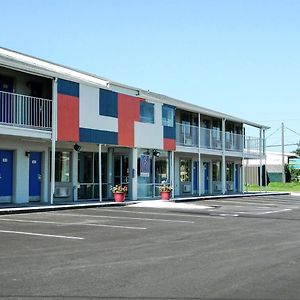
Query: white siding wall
[
  {"x": 148, "y": 135},
  {"x": 89, "y": 111}
]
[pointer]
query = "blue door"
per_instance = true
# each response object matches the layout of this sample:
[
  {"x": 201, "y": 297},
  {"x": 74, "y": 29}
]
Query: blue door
[
  {"x": 206, "y": 177},
  {"x": 6, "y": 175},
  {"x": 195, "y": 177},
  {"x": 237, "y": 182},
  {"x": 35, "y": 176}
]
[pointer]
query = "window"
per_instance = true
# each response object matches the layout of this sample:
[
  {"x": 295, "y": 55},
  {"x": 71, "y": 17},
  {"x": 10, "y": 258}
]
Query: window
[
  {"x": 185, "y": 170},
  {"x": 230, "y": 172},
  {"x": 147, "y": 112},
  {"x": 216, "y": 171},
  {"x": 168, "y": 116},
  {"x": 62, "y": 166}
]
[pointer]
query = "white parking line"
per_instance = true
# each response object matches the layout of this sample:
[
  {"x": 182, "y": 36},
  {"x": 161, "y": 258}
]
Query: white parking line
[
  {"x": 126, "y": 218},
  {"x": 156, "y": 213},
  {"x": 71, "y": 224},
  {"x": 42, "y": 234},
  {"x": 274, "y": 211}
]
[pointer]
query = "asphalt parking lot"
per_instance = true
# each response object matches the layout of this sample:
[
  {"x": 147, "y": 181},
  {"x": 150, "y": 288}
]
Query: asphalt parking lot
[{"x": 236, "y": 248}]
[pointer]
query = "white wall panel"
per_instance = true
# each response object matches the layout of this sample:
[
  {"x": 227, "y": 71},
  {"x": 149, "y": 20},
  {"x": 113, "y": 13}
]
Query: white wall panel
[
  {"x": 89, "y": 111},
  {"x": 147, "y": 135}
]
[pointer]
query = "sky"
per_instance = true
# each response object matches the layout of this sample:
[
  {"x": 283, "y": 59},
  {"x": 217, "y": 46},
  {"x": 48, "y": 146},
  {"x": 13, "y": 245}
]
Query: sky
[{"x": 240, "y": 57}]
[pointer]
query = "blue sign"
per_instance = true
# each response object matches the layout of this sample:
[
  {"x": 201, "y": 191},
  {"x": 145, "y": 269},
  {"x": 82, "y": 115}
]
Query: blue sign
[{"x": 144, "y": 165}]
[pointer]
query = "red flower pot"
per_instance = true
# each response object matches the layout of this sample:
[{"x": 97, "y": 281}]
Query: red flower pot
[
  {"x": 119, "y": 197},
  {"x": 165, "y": 195}
]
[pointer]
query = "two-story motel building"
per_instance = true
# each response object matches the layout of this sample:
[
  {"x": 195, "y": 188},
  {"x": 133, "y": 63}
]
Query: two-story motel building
[{"x": 60, "y": 126}]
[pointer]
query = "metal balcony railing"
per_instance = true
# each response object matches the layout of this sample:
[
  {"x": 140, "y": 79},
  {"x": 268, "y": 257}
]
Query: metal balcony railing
[
  {"x": 187, "y": 135},
  {"x": 210, "y": 138},
  {"x": 233, "y": 142},
  {"x": 252, "y": 145},
  {"x": 25, "y": 111}
]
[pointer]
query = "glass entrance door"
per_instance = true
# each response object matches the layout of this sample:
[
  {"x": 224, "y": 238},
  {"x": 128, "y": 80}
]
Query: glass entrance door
[{"x": 121, "y": 170}]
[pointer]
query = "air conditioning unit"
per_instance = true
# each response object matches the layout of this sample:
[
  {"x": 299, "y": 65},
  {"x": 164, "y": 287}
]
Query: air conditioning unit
[
  {"x": 186, "y": 188},
  {"x": 230, "y": 186},
  {"x": 62, "y": 192},
  {"x": 217, "y": 187}
]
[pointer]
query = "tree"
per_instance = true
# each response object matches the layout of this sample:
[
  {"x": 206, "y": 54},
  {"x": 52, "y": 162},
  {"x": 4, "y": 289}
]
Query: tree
[{"x": 297, "y": 151}]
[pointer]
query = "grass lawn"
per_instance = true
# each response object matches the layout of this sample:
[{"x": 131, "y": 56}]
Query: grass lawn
[{"x": 277, "y": 187}]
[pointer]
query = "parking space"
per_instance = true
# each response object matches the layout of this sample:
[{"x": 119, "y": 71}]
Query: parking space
[{"x": 237, "y": 248}]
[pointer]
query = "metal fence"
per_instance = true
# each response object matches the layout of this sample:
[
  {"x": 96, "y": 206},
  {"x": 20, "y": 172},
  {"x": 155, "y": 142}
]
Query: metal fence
[{"x": 25, "y": 111}]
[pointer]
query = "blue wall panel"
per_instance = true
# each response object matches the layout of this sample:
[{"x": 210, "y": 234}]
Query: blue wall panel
[
  {"x": 68, "y": 87},
  {"x": 108, "y": 103},
  {"x": 98, "y": 136},
  {"x": 169, "y": 133}
]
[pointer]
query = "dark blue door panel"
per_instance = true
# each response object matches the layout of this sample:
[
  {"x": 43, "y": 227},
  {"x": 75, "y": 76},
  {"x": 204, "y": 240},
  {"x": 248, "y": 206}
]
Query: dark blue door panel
[
  {"x": 6, "y": 173},
  {"x": 195, "y": 176},
  {"x": 237, "y": 177},
  {"x": 35, "y": 174},
  {"x": 206, "y": 177}
]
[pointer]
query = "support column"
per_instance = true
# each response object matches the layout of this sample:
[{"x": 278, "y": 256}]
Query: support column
[
  {"x": 172, "y": 169},
  {"x": 133, "y": 174},
  {"x": 53, "y": 137},
  {"x": 110, "y": 162},
  {"x": 75, "y": 174},
  {"x": 223, "y": 167},
  {"x": 265, "y": 155},
  {"x": 199, "y": 156},
  {"x": 260, "y": 160},
  {"x": 282, "y": 153},
  {"x": 100, "y": 172}
]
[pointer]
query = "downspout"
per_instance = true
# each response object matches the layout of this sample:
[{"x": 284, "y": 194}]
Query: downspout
[{"x": 53, "y": 137}]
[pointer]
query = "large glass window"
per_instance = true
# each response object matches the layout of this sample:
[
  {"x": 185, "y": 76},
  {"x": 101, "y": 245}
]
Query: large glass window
[
  {"x": 216, "y": 169},
  {"x": 152, "y": 170},
  {"x": 62, "y": 166},
  {"x": 230, "y": 171},
  {"x": 168, "y": 116},
  {"x": 146, "y": 112},
  {"x": 88, "y": 175},
  {"x": 185, "y": 170}
]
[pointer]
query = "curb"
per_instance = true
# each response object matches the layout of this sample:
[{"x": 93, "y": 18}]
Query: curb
[
  {"x": 201, "y": 198},
  {"x": 20, "y": 210}
]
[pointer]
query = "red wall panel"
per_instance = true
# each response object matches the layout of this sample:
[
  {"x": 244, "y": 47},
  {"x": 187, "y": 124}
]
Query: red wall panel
[
  {"x": 128, "y": 113},
  {"x": 169, "y": 144},
  {"x": 67, "y": 118}
]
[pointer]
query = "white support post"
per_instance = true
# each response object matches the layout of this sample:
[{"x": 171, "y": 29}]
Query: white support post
[
  {"x": 173, "y": 173},
  {"x": 260, "y": 160},
  {"x": 100, "y": 173},
  {"x": 109, "y": 171},
  {"x": 133, "y": 175},
  {"x": 282, "y": 153},
  {"x": 265, "y": 155},
  {"x": 199, "y": 156},
  {"x": 53, "y": 138},
  {"x": 243, "y": 175},
  {"x": 223, "y": 168}
]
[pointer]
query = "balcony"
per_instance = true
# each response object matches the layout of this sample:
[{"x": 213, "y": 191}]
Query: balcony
[
  {"x": 210, "y": 138},
  {"x": 25, "y": 111},
  {"x": 233, "y": 142},
  {"x": 187, "y": 135},
  {"x": 252, "y": 145}
]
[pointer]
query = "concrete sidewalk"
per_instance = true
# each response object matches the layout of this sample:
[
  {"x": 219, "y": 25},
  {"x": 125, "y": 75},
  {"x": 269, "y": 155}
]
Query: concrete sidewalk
[{"x": 40, "y": 207}]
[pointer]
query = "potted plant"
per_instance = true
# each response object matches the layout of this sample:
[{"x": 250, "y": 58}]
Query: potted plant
[
  {"x": 119, "y": 192},
  {"x": 165, "y": 191}
]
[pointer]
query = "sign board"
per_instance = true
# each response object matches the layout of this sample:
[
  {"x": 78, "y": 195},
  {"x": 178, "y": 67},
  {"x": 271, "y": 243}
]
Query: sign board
[{"x": 145, "y": 165}]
